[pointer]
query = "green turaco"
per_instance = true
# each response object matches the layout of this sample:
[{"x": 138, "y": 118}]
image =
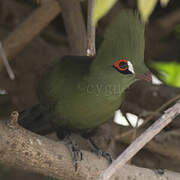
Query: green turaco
[{"x": 80, "y": 93}]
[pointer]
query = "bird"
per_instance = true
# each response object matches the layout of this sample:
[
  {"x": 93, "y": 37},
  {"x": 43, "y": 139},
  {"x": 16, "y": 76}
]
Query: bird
[{"x": 79, "y": 93}]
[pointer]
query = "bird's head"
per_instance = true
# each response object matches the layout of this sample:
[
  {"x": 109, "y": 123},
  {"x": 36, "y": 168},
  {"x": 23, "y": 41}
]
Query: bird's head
[{"x": 120, "y": 58}]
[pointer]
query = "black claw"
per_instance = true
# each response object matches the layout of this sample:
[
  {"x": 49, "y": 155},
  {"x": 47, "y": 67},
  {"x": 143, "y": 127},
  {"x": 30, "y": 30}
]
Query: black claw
[
  {"x": 77, "y": 151},
  {"x": 104, "y": 154},
  {"x": 107, "y": 156},
  {"x": 74, "y": 149},
  {"x": 99, "y": 152},
  {"x": 80, "y": 156},
  {"x": 75, "y": 161},
  {"x": 76, "y": 155}
]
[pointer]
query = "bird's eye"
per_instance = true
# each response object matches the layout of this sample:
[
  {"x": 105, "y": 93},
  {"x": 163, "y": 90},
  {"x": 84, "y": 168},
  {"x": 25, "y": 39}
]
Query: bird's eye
[{"x": 124, "y": 66}]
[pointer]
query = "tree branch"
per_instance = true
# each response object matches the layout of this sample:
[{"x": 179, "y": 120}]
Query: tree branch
[
  {"x": 75, "y": 26},
  {"x": 26, "y": 150},
  {"x": 165, "y": 149},
  {"x": 31, "y": 27}
]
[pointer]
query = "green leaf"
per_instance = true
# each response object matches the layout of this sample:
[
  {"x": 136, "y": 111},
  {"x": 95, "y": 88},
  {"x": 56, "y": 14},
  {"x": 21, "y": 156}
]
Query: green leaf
[
  {"x": 146, "y": 7},
  {"x": 168, "y": 72},
  {"x": 101, "y": 7}
]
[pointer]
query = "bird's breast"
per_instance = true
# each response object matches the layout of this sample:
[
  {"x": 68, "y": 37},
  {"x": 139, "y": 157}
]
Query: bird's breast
[{"x": 87, "y": 106}]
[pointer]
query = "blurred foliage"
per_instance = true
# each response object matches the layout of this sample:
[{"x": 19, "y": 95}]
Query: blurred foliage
[
  {"x": 101, "y": 8},
  {"x": 168, "y": 72},
  {"x": 177, "y": 31},
  {"x": 146, "y": 7}
]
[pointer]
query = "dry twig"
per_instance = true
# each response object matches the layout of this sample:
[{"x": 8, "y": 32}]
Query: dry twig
[
  {"x": 165, "y": 149},
  {"x": 149, "y": 118},
  {"x": 91, "y": 30},
  {"x": 6, "y": 63},
  {"x": 160, "y": 109},
  {"x": 142, "y": 140}
]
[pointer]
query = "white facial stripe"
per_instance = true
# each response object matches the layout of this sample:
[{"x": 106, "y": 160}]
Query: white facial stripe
[{"x": 130, "y": 67}]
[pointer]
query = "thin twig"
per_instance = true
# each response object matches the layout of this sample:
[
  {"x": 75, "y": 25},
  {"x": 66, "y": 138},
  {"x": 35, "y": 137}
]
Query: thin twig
[
  {"x": 6, "y": 63},
  {"x": 166, "y": 149},
  {"x": 91, "y": 30},
  {"x": 135, "y": 129},
  {"x": 142, "y": 140},
  {"x": 161, "y": 108},
  {"x": 129, "y": 123}
]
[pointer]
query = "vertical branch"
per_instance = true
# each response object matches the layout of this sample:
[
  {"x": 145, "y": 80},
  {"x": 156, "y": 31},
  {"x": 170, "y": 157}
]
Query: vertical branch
[
  {"x": 75, "y": 26},
  {"x": 91, "y": 30}
]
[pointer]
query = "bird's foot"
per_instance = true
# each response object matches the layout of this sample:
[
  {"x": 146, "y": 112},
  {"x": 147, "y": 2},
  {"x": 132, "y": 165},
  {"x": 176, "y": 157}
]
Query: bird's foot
[
  {"x": 75, "y": 151},
  {"x": 99, "y": 152},
  {"x": 73, "y": 148}
]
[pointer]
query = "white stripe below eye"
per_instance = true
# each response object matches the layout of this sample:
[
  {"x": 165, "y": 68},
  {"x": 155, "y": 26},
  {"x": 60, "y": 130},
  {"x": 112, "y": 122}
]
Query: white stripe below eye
[{"x": 130, "y": 67}]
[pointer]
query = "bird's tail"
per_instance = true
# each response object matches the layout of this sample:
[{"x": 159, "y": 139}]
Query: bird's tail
[{"x": 36, "y": 119}]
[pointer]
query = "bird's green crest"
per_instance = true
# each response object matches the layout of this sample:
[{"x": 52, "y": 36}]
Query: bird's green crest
[{"x": 123, "y": 39}]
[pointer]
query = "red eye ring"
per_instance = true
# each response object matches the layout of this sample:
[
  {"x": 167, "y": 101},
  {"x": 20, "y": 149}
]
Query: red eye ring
[{"x": 116, "y": 64}]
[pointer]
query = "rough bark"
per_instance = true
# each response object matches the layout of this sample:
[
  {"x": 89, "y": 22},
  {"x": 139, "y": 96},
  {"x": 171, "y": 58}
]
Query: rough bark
[{"x": 26, "y": 150}]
